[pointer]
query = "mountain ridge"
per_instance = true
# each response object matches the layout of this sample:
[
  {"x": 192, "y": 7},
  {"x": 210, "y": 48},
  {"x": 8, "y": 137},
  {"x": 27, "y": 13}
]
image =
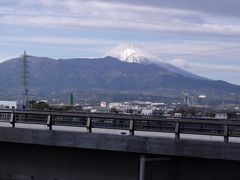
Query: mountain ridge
[{"x": 47, "y": 75}]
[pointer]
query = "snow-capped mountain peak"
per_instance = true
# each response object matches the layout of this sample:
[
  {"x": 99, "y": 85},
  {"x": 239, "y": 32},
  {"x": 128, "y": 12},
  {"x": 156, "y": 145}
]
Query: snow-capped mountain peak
[
  {"x": 134, "y": 54},
  {"x": 131, "y": 53}
]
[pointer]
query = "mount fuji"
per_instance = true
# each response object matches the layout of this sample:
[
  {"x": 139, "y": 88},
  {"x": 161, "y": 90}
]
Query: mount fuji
[
  {"x": 126, "y": 69},
  {"x": 135, "y": 54},
  {"x": 132, "y": 54}
]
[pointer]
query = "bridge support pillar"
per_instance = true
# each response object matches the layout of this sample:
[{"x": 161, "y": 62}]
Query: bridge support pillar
[
  {"x": 142, "y": 168},
  {"x": 144, "y": 160}
]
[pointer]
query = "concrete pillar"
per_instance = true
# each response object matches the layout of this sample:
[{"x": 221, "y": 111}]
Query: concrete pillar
[
  {"x": 142, "y": 168},
  {"x": 144, "y": 160}
]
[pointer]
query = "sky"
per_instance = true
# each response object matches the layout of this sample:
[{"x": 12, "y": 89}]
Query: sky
[{"x": 200, "y": 36}]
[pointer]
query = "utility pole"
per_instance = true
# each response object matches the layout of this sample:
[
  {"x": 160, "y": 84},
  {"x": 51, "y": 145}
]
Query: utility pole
[{"x": 24, "y": 91}]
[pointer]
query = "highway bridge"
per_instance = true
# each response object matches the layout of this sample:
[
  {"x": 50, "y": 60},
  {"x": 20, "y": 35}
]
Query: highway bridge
[{"x": 88, "y": 146}]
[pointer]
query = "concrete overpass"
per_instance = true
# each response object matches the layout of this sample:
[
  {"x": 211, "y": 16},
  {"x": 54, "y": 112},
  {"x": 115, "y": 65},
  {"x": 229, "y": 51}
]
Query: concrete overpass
[{"x": 27, "y": 153}]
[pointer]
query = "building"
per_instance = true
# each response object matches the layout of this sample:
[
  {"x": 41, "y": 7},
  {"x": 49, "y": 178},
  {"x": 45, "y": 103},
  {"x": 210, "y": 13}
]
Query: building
[
  {"x": 104, "y": 104},
  {"x": 147, "y": 112},
  {"x": 8, "y": 104},
  {"x": 99, "y": 110},
  {"x": 178, "y": 115},
  {"x": 157, "y": 112}
]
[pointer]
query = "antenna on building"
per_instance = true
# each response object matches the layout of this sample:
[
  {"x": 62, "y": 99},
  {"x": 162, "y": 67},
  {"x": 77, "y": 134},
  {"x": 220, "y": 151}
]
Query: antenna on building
[
  {"x": 24, "y": 91},
  {"x": 186, "y": 99},
  {"x": 223, "y": 103}
]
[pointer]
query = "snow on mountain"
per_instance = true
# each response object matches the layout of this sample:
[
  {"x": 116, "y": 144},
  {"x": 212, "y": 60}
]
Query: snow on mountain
[
  {"x": 131, "y": 53},
  {"x": 134, "y": 54}
]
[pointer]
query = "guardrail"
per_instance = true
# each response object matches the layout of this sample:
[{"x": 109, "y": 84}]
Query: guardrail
[{"x": 214, "y": 127}]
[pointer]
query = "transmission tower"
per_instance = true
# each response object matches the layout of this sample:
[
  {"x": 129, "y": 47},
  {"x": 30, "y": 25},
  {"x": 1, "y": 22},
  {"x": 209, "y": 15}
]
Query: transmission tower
[{"x": 24, "y": 91}]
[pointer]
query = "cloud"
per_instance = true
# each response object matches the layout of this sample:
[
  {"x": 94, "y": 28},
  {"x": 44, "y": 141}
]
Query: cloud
[
  {"x": 206, "y": 51},
  {"x": 195, "y": 50},
  {"x": 164, "y": 50},
  {"x": 203, "y": 67},
  {"x": 115, "y": 16},
  {"x": 56, "y": 40},
  {"x": 216, "y": 7},
  {"x": 55, "y": 46},
  {"x": 213, "y": 71}
]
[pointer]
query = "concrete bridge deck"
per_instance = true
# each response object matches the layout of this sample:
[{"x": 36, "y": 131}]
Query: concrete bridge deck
[
  {"x": 27, "y": 154},
  {"x": 121, "y": 143},
  {"x": 73, "y": 147}
]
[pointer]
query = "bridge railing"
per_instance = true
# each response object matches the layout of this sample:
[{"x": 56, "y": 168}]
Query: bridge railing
[
  {"x": 213, "y": 127},
  {"x": 5, "y": 116}
]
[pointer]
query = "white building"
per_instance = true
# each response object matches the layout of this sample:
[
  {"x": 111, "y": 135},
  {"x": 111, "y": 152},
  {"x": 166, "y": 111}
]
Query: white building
[
  {"x": 147, "y": 112},
  {"x": 104, "y": 104},
  {"x": 99, "y": 110},
  {"x": 178, "y": 115},
  {"x": 8, "y": 104},
  {"x": 119, "y": 106}
]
